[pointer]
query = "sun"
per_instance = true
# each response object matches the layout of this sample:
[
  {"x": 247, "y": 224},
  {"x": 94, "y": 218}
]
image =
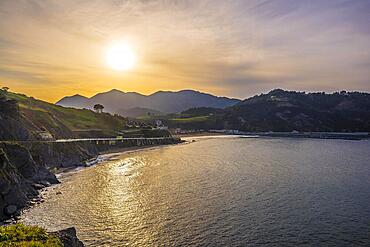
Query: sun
[{"x": 121, "y": 56}]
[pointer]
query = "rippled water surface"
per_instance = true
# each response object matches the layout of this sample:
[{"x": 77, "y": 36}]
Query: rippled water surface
[{"x": 220, "y": 192}]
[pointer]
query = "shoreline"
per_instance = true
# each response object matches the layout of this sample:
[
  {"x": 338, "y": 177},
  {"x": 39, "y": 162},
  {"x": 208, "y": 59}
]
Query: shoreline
[
  {"x": 98, "y": 159},
  {"x": 40, "y": 188},
  {"x": 107, "y": 156},
  {"x": 114, "y": 152},
  {"x": 63, "y": 173}
]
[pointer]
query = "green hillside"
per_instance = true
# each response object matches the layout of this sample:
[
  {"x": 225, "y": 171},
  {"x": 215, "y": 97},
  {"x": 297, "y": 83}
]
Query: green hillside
[
  {"x": 22, "y": 236},
  {"x": 36, "y": 116}
]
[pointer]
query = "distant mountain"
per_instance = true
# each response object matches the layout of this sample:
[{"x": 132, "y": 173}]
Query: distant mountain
[
  {"x": 119, "y": 102},
  {"x": 281, "y": 110},
  {"x": 76, "y": 101}
]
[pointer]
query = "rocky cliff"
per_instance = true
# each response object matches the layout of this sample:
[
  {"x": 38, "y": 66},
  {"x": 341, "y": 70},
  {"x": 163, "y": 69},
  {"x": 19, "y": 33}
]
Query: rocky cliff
[{"x": 20, "y": 177}]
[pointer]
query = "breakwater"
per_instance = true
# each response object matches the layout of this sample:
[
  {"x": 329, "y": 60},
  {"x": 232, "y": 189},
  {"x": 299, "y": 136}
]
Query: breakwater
[
  {"x": 317, "y": 135},
  {"x": 297, "y": 134}
]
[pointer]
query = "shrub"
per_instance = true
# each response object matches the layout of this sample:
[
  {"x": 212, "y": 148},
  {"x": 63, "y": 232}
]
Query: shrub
[{"x": 20, "y": 235}]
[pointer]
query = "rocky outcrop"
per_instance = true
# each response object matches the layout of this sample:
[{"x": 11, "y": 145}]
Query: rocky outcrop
[
  {"x": 68, "y": 237},
  {"x": 62, "y": 155},
  {"x": 21, "y": 158},
  {"x": 12, "y": 126}
]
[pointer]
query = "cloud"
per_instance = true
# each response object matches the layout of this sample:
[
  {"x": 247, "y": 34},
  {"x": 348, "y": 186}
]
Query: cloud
[{"x": 235, "y": 47}]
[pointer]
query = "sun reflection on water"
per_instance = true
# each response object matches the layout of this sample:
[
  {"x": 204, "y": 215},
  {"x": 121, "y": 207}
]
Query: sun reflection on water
[{"x": 217, "y": 193}]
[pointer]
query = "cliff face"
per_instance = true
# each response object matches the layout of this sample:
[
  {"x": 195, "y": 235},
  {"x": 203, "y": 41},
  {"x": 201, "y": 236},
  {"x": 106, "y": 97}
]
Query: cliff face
[
  {"x": 62, "y": 155},
  {"x": 20, "y": 175},
  {"x": 12, "y": 126}
]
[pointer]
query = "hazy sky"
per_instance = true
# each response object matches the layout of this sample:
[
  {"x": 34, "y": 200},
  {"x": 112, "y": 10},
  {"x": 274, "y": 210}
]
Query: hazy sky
[{"x": 52, "y": 48}]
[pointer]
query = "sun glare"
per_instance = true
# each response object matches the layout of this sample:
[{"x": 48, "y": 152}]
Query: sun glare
[{"x": 121, "y": 57}]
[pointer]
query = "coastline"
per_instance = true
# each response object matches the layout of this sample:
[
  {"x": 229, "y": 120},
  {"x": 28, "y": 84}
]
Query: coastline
[
  {"x": 20, "y": 188},
  {"x": 110, "y": 155},
  {"x": 100, "y": 158}
]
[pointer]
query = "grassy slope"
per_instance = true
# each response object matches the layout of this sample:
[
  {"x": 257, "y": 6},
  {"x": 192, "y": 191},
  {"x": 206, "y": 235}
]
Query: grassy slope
[
  {"x": 190, "y": 119},
  {"x": 184, "y": 120},
  {"x": 21, "y": 235},
  {"x": 60, "y": 120}
]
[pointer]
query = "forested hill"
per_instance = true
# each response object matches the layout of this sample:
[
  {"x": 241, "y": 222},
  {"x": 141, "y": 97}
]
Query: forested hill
[{"x": 281, "y": 110}]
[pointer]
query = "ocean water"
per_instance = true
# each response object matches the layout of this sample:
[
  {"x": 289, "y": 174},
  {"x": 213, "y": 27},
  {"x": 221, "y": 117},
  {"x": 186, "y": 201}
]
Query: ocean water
[{"x": 219, "y": 192}]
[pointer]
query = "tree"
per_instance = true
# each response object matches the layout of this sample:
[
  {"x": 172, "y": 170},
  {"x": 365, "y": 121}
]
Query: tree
[{"x": 98, "y": 108}]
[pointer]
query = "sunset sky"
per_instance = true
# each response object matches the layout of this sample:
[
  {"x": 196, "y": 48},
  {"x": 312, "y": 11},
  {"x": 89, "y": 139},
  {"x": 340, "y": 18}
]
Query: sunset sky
[{"x": 53, "y": 48}]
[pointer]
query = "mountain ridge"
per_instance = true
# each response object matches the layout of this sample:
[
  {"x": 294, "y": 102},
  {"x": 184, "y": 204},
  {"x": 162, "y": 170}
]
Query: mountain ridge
[{"x": 119, "y": 102}]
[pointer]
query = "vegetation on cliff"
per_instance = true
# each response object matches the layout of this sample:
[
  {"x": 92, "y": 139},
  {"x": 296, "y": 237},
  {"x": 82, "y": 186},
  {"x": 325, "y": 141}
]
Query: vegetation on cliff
[{"x": 19, "y": 235}]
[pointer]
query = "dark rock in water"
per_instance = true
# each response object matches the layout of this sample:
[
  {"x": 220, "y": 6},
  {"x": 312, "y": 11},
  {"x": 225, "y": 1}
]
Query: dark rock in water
[
  {"x": 10, "y": 210},
  {"x": 69, "y": 237},
  {"x": 45, "y": 183},
  {"x": 4, "y": 187},
  {"x": 8, "y": 222},
  {"x": 38, "y": 186}
]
